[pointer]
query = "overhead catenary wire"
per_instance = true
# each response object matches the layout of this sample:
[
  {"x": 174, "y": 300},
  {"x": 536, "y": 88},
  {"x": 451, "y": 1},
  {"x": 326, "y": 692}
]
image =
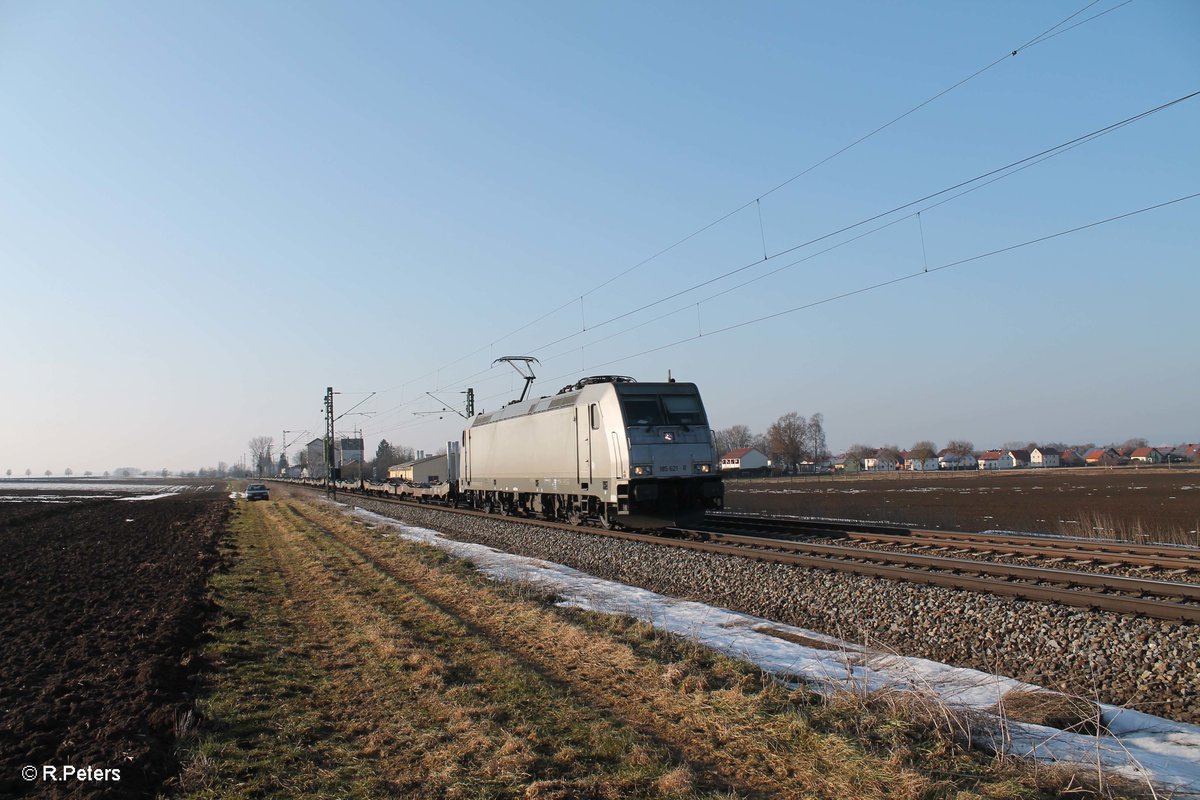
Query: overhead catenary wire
[
  {"x": 909, "y": 276},
  {"x": 868, "y": 288},
  {"x": 1045, "y": 35},
  {"x": 1011, "y": 166},
  {"x": 940, "y": 197},
  {"x": 1011, "y": 54}
]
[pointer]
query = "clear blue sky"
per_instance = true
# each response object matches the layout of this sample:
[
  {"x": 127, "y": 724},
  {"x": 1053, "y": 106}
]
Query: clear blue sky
[{"x": 211, "y": 211}]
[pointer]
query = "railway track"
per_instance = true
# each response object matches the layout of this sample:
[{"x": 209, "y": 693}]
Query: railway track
[
  {"x": 1160, "y": 599},
  {"x": 1081, "y": 551}
]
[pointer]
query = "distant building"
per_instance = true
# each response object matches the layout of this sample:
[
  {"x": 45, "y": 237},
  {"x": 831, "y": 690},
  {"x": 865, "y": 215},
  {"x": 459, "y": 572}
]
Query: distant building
[
  {"x": 1146, "y": 455},
  {"x": 1103, "y": 457},
  {"x": 1070, "y": 458},
  {"x": 433, "y": 469},
  {"x": 744, "y": 459},
  {"x": 1017, "y": 458},
  {"x": 1044, "y": 457},
  {"x": 349, "y": 451},
  {"x": 993, "y": 459},
  {"x": 846, "y": 463},
  {"x": 316, "y": 459},
  {"x": 881, "y": 462},
  {"x": 949, "y": 460},
  {"x": 912, "y": 463},
  {"x": 1176, "y": 454}
]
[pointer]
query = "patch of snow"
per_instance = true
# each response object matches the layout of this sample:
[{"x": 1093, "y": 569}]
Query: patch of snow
[
  {"x": 52, "y": 498},
  {"x": 1142, "y": 747}
]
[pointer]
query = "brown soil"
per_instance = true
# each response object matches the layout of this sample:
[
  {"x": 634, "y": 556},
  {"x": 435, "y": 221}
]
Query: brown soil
[
  {"x": 101, "y": 604},
  {"x": 1150, "y": 503}
]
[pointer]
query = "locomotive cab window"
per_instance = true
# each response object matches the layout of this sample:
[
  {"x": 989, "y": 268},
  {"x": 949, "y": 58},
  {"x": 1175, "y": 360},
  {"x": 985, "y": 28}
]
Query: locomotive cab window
[
  {"x": 642, "y": 410},
  {"x": 683, "y": 409},
  {"x": 594, "y": 416}
]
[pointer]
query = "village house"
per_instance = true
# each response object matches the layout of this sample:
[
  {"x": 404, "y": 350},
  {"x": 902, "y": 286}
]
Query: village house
[
  {"x": 429, "y": 469},
  {"x": 744, "y": 459},
  {"x": 1146, "y": 455},
  {"x": 1103, "y": 457},
  {"x": 1016, "y": 458},
  {"x": 880, "y": 462},
  {"x": 913, "y": 464},
  {"x": 1070, "y": 458},
  {"x": 993, "y": 459},
  {"x": 847, "y": 463},
  {"x": 1044, "y": 457},
  {"x": 949, "y": 460}
]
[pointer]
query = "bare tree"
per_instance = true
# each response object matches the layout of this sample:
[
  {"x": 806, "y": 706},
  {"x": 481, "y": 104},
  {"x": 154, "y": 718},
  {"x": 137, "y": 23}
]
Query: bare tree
[
  {"x": 48, "y": 473},
  {"x": 68, "y": 472},
  {"x": 28, "y": 472},
  {"x": 889, "y": 451},
  {"x": 260, "y": 453},
  {"x": 860, "y": 451},
  {"x": 786, "y": 438},
  {"x": 732, "y": 438},
  {"x": 8, "y": 473},
  {"x": 923, "y": 449},
  {"x": 1134, "y": 443},
  {"x": 814, "y": 438},
  {"x": 960, "y": 447}
]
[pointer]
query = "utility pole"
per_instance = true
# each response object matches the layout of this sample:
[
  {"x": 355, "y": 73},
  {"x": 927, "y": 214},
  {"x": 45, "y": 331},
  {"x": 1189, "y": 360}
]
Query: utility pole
[
  {"x": 470, "y": 403},
  {"x": 330, "y": 486}
]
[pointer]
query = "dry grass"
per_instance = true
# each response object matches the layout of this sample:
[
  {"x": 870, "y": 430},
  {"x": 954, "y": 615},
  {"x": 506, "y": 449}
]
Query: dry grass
[
  {"x": 1053, "y": 709},
  {"x": 354, "y": 665},
  {"x": 1106, "y": 527}
]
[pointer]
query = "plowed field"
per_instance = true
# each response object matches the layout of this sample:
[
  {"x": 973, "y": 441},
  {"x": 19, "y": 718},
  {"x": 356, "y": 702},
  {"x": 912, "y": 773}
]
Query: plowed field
[
  {"x": 1152, "y": 503},
  {"x": 101, "y": 602}
]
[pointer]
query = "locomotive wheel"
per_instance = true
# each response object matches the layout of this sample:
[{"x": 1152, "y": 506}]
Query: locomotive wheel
[
  {"x": 574, "y": 517},
  {"x": 606, "y": 519}
]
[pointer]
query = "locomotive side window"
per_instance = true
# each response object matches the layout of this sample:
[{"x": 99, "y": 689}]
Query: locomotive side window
[
  {"x": 683, "y": 409},
  {"x": 594, "y": 415},
  {"x": 643, "y": 410}
]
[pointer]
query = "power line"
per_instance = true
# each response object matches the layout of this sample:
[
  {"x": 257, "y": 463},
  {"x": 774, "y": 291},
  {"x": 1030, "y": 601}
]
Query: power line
[
  {"x": 1004, "y": 171},
  {"x": 1032, "y": 42},
  {"x": 910, "y": 276},
  {"x": 971, "y": 185},
  {"x": 1045, "y": 35},
  {"x": 868, "y": 288}
]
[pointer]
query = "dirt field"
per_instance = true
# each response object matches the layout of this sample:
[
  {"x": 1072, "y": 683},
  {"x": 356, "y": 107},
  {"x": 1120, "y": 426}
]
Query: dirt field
[
  {"x": 1149, "y": 503},
  {"x": 100, "y": 605}
]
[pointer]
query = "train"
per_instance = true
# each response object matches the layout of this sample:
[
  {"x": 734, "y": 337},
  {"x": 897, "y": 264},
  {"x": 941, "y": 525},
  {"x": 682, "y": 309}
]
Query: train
[{"x": 606, "y": 450}]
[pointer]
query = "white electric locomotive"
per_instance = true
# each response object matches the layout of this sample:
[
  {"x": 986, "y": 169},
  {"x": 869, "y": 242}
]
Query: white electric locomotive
[{"x": 606, "y": 449}]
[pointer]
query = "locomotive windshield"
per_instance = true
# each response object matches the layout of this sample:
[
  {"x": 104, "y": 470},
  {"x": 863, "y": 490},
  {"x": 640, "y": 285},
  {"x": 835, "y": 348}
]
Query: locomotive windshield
[
  {"x": 643, "y": 410},
  {"x": 683, "y": 410}
]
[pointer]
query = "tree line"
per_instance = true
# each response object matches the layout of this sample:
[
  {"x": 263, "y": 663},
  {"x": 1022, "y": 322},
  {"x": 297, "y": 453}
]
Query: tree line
[{"x": 790, "y": 441}]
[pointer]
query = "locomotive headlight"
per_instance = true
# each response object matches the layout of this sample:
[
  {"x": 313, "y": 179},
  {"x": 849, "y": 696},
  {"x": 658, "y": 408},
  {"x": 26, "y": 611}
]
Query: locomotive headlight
[
  {"x": 668, "y": 436},
  {"x": 704, "y": 468},
  {"x": 640, "y": 471}
]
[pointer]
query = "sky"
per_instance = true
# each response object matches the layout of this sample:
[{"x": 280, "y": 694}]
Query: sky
[{"x": 210, "y": 212}]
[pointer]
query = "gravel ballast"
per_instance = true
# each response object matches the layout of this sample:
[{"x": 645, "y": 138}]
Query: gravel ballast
[{"x": 1146, "y": 664}]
